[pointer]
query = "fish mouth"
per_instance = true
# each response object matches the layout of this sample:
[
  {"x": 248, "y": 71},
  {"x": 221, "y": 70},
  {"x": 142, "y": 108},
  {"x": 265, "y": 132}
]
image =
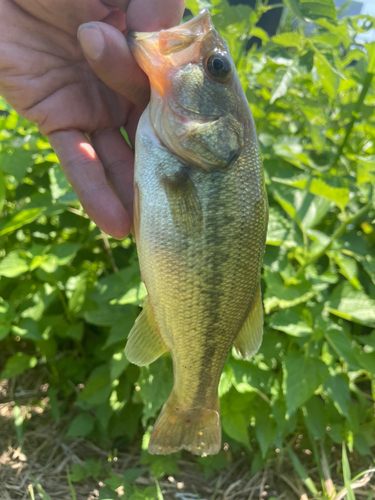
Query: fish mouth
[
  {"x": 157, "y": 51},
  {"x": 145, "y": 49}
]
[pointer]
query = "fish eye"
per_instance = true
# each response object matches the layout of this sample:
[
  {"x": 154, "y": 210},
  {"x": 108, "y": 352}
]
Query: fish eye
[{"x": 219, "y": 67}]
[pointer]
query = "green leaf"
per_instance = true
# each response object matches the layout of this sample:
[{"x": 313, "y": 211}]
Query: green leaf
[
  {"x": 342, "y": 345},
  {"x": 64, "y": 252},
  {"x": 351, "y": 304},
  {"x": 366, "y": 360},
  {"x": 17, "y": 364},
  {"x": 328, "y": 76},
  {"x": 114, "y": 286},
  {"x": 27, "y": 329},
  {"x": 265, "y": 430},
  {"x": 302, "y": 377},
  {"x": 13, "y": 265},
  {"x": 312, "y": 9},
  {"x": 120, "y": 332},
  {"x": 280, "y": 294},
  {"x": 130, "y": 475},
  {"x": 291, "y": 322},
  {"x": 164, "y": 466},
  {"x": 290, "y": 39},
  {"x": 304, "y": 208},
  {"x": 78, "y": 296},
  {"x": 235, "y": 425},
  {"x": 107, "y": 315},
  {"x": 338, "y": 195},
  {"x": 365, "y": 169},
  {"x": 348, "y": 267},
  {"x": 75, "y": 331},
  {"x": 98, "y": 388},
  {"x": 370, "y": 47},
  {"x": 21, "y": 219},
  {"x": 2, "y": 190},
  {"x": 291, "y": 150},
  {"x": 81, "y": 426},
  {"x": 247, "y": 378},
  {"x": 337, "y": 387},
  {"x": 226, "y": 380},
  {"x": 195, "y": 6},
  {"x": 118, "y": 365},
  {"x": 7, "y": 315},
  {"x": 58, "y": 183},
  {"x": 134, "y": 296},
  {"x": 279, "y": 230},
  {"x": 155, "y": 385},
  {"x": 315, "y": 416},
  {"x": 16, "y": 164},
  {"x": 283, "y": 81}
]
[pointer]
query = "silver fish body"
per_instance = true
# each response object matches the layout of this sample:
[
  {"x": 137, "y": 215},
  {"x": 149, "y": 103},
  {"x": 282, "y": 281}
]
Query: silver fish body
[{"x": 200, "y": 224}]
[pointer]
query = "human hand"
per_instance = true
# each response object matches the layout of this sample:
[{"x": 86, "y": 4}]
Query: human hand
[{"x": 46, "y": 77}]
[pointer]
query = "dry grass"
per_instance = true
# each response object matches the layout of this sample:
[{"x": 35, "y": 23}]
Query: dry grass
[{"x": 45, "y": 456}]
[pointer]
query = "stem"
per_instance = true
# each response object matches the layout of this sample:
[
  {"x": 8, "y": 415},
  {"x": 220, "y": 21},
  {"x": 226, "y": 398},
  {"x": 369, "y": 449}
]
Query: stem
[
  {"x": 107, "y": 247},
  {"x": 335, "y": 235},
  {"x": 64, "y": 304},
  {"x": 365, "y": 88}
]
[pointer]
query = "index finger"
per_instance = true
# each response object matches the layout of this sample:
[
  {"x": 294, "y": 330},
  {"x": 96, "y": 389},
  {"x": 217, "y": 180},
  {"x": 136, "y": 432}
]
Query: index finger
[{"x": 153, "y": 15}]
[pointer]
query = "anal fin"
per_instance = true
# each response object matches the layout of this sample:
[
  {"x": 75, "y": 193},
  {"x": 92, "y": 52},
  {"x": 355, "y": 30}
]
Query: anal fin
[
  {"x": 250, "y": 337},
  {"x": 144, "y": 342}
]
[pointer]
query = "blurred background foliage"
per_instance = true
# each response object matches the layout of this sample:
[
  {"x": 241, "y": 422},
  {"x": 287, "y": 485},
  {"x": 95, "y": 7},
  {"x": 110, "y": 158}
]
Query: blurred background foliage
[{"x": 69, "y": 295}]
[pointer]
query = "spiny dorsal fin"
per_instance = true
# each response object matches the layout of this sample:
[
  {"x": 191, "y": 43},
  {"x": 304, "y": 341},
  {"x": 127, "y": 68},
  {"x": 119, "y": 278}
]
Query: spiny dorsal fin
[
  {"x": 250, "y": 337},
  {"x": 144, "y": 342}
]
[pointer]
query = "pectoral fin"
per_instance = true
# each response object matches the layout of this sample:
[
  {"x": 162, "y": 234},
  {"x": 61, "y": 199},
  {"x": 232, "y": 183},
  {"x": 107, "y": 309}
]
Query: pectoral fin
[
  {"x": 250, "y": 337},
  {"x": 144, "y": 342},
  {"x": 184, "y": 203}
]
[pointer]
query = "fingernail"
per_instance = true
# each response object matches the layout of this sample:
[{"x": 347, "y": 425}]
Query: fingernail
[{"x": 92, "y": 41}]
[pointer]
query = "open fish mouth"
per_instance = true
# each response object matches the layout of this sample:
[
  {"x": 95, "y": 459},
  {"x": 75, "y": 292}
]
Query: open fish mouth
[{"x": 157, "y": 52}]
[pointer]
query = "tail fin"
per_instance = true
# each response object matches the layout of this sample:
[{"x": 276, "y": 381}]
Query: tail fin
[{"x": 197, "y": 430}]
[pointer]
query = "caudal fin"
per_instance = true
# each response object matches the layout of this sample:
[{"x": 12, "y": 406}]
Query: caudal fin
[{"x": 197, "y": 430}]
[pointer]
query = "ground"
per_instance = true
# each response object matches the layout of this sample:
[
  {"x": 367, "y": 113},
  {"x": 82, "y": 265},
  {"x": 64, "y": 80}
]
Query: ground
[{"x": 38, "y": 468}]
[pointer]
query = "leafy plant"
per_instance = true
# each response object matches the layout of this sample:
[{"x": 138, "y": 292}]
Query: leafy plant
[{"x": 69, "y": 295}]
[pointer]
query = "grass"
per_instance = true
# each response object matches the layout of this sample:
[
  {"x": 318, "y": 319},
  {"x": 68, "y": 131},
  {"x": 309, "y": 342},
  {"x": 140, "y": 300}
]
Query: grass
[{"x": 40, "y": 465}]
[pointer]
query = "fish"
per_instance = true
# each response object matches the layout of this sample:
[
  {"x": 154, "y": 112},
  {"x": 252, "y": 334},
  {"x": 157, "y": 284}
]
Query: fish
[{"x": 200, "y": 222}]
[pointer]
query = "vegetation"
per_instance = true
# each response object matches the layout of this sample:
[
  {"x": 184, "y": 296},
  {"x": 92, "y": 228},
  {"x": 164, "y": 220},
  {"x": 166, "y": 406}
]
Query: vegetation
[{"x": 69, "y": 295}]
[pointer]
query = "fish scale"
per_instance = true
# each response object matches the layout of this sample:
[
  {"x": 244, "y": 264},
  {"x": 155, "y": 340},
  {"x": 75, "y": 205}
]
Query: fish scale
[{"x": 200, "y": 226}]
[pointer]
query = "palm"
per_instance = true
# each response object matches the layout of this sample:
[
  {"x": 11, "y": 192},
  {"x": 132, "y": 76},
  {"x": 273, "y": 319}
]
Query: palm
[
  {"x": 70, "y": 96},
  {"x": 55, "y": 86}
]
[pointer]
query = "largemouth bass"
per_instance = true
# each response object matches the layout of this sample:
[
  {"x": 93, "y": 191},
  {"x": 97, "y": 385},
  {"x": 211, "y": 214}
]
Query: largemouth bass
[{"x": 200, "y": 219}]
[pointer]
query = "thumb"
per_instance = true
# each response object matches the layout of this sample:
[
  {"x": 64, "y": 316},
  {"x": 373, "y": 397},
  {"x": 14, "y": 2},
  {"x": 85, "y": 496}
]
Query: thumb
[{"x": 109, "y": 56}]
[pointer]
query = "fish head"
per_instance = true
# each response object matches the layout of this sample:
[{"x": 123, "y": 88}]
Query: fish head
[{"x": 197, "y": 101}]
